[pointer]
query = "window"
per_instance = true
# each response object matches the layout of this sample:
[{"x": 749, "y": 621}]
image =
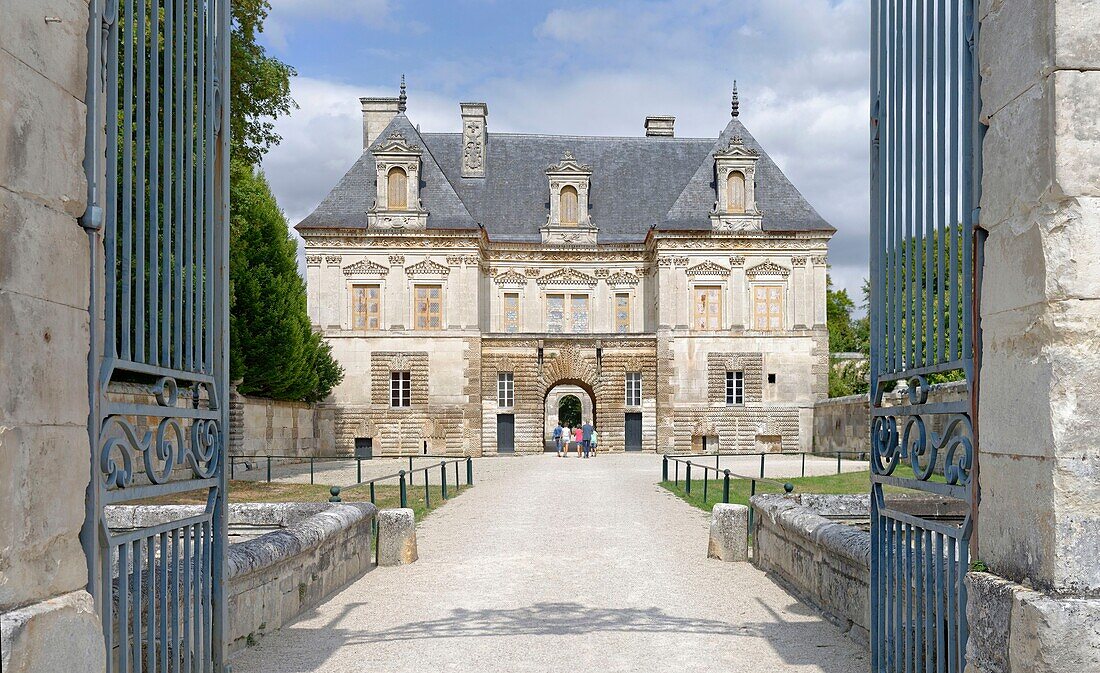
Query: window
[
  {"x": 511, "y": 312},
  {"x": 735, "y": 388},
  {"x": 735, "y": 192},
  {"x": 569, "y": 205},
  {"x": 708, "y": 308},
  {"x": 505, "y": 389},
  {"x": 365, "y": 306},
  {"x": 633, "y": 389},
  {"x": 400, "y": 389},
  {"x": 397, "y": 189},
  {"x": 429, "y": 307},
  {"x": 767, "y": 307},
  {"x": 622, "y": 313},
  {"x": 567, "y": 313},
  {"x": 771, "y": 378}
]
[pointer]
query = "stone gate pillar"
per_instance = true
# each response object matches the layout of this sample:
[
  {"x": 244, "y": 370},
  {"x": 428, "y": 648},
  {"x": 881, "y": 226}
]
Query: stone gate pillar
[{"x": 1038, "y": 607}]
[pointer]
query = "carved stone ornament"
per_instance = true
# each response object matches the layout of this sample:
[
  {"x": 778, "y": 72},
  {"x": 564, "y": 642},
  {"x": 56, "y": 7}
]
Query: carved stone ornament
[
  {"x": 532, "y": 272},
  {"x": 568, "y": 164},
  {"x": 313, "y": 260},
  {"x": 396, "y": 143},
  {"x": 454, "y": 260},
  {"x": 566, "y": 277},
  {"x": 708, "y": 268},
  {"x": 397, "y": 260},
  {"x": 602, "y": 273},
  {"x": 733, "y": 364},
  {"x": 737, "y": 261},
  {"x": 510, "y": 277},
  {"x": 664, "y": 262},
  {"x": 365, "y": 267},
  {"x": 332, "y": 259},
  {"x": 400, "y": 363},
  {"x": 820, "y": 260},
  {"x": 768, "y": 268},
  {"x": 798, "y": 261},
  {"x": 622, "y": 278},
  {"x": 427, "y": 268}
]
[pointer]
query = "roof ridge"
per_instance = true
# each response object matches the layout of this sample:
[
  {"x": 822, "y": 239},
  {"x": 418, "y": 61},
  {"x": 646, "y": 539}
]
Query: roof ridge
[{"x": 576, "y": 137}]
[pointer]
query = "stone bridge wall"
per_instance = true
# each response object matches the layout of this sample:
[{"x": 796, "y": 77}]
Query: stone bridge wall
[{"x": 263, "y": 426}]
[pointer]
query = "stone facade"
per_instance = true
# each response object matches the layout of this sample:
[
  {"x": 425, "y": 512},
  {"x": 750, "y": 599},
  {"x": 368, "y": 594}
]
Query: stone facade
[
  {"x": 560, "y": 281},
  {"x": 47, "y": 619}
]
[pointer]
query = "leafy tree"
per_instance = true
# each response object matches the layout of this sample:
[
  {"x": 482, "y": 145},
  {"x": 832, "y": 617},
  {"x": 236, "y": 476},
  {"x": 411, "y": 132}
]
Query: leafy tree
[
  {"x": 847, "y": 334},
  {"x": 259, "y": 86},
  {"x": 272, "y": 344}
]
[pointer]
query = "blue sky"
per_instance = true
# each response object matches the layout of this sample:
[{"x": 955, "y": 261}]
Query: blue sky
[{"x": 592, "y": 68}]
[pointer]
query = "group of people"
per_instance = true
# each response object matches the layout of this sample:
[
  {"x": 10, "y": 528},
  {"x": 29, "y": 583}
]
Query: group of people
[{"x": 583, "y": 438}]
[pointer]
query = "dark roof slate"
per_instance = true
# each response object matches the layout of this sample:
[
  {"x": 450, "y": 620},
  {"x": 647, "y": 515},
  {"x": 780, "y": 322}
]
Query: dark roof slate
[{"x": 637, "y": 183}]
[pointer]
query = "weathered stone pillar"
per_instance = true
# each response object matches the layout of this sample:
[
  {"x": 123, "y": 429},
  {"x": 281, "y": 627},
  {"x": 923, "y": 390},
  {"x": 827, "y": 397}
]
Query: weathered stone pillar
[
  {"x": 396, "y": 537},
  {"x": 1038, "y": 524},
  {"x": 729, "y": 533}
]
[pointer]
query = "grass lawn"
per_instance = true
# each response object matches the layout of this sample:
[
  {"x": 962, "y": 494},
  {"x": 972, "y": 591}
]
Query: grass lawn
[
  {"x": 386, "y": 496},
  {"x": 740, "y": 489}
]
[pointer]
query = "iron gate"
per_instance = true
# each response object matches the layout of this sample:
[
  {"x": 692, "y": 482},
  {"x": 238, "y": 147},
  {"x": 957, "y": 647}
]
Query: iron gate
[
  {"x": 156, "y": 159},
  {"x": 925, "y": 262}
]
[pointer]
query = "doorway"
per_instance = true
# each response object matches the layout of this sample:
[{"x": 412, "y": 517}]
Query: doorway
[
  {"x": 634, "y": 431},
  {"x": 506, "y": 433}
]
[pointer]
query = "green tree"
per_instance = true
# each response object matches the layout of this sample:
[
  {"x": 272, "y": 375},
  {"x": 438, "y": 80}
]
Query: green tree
[
  {"x": 259, "y": 86},
  {"x": 273, "y": 348},
  {"x": 847, "y": 334}
]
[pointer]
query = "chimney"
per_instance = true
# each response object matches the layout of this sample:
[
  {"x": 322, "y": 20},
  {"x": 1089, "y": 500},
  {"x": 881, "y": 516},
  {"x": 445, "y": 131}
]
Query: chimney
[
  {"x": 659, "y": 127},
  {"x": 377, "y": 115},
  {"x": 475, "y": 136}
]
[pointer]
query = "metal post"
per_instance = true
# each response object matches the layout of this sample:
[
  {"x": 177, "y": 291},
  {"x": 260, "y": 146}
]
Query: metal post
[
  {"x": 443, "y": 478},
  {"x": 359, "y": 471},
  {"x": 335, "y": 491},
  {"x": 664, "y": 468},
  {"x": 803, "y": 464},
  {"x": 726, "y": 486},
  {"x": 687, "y": 478},
  {"x": 311, "y": 470},
  {"x": 677, "y": 472},
  {"x": 269, "y": 469},
  {"x": 761, "y": 466},
  {"x": 427, "y": 490},
  {"x": 469, "y": 471},
  {"x": 838, "y": 462},
  {"x": 752, "y": 492},
  {"x": 404, "y": 494},
  {"x": 231, "y": 462},
  {"x": 706, "y": 482},
  {"x": 411, "y": 473},
  {"x": 372, "y": 493}
]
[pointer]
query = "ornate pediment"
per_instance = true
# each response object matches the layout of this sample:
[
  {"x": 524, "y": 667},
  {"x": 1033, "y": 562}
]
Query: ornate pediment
[
  {"x": 622, "y": 278},
  {"x": 396, "y": 144},
  {"x": 736, "y": 148},
  {"x": 768, "y": 268},
  {"x": 708, "y": 268},
  {"x": 566, "y": 277},
  {"x": 511, "y": 277},
  {"x": 569, "y": 164},
  {"x": 365, "y": 267},
  {"x": 427, "y": 268}
]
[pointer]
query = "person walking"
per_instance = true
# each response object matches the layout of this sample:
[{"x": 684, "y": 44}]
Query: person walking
[
  {"x": 586, "y": 437},
  {"x": 578, "y": 437},
  {"x": 594, "y": 442},
  {"x": 557, "y": 438}
]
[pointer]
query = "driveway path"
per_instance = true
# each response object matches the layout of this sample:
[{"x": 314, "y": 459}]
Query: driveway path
[{"x": 561, "y": 565}]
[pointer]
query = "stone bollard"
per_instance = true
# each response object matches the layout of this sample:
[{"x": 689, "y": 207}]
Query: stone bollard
[
  {"x": 729, "y": 528},
  {"x": 396, "y": 537}
]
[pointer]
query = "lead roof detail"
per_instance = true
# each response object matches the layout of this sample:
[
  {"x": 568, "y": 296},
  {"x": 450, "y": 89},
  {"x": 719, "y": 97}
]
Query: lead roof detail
[{"x": 637, "y": 183}]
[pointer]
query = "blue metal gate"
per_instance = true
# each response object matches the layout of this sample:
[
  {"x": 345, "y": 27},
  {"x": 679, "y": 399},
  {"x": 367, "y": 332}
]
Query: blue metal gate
[
  {"x": 157, "y": 220},
  {"x": 925, "y": 262}
]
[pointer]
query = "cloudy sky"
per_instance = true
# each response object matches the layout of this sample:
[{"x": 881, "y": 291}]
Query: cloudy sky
[{"x": 590, "y": 67}]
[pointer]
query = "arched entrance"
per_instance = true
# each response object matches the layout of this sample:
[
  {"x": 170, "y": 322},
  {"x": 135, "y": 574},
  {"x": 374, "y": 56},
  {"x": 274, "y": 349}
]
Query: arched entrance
[{"x": 572, "y": 403}]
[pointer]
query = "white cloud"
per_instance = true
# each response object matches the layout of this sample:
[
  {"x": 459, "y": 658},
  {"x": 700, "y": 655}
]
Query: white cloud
[{"x": 801, "y": 67}]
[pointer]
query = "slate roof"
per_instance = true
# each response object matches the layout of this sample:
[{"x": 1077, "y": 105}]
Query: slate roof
[{"x": 636, "y": 183}]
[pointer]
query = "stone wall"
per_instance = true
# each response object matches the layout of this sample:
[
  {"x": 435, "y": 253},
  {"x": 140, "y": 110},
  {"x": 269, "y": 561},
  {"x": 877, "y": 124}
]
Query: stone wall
[
  {"x": 844, "y": 423},
  {"x": 316, "y": 550},
  {"x": 262, "y": 426},
  {"x": 826, "y": 563},
  {"x": 47, "y": 619}
]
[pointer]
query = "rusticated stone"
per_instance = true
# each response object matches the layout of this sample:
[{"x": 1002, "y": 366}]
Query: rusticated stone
[{"x": 396, "y": 537}]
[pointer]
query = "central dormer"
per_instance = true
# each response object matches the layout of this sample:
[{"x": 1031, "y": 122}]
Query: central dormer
[
  {"x": 397, "y": 204},
  {"x": 735, "y": 179},
  {"x": 568, "y": 222}
]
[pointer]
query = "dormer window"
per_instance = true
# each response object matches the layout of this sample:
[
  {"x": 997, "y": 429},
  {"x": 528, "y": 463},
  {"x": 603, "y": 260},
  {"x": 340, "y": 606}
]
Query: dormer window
[
  {"x": 569, "y": 204},
  {"x": 397, "y": 189},
  {"x": 735, "y": 193},
  {"x": 735, "y": 172},
  {"x": 568, "y": 221}
]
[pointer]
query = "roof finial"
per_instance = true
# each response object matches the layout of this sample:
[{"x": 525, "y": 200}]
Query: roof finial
[
  {"x": 735, "y": 105},
  {"x": 402, "y": 99}
]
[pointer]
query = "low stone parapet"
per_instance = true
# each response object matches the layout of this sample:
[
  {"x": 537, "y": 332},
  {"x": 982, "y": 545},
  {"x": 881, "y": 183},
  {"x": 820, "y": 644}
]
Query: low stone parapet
[{"x": 826, "y": 563}]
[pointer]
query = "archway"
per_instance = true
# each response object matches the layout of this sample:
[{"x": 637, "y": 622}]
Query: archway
[{"x": 571, "y": 402}]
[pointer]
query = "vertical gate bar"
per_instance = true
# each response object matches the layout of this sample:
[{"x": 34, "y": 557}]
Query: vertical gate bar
[
  {"x": 110, "y": 205},
  {"x": 199, "y": 334},
  {"x": 930, "y": 627},
  {"x": 899, "y": 598},
  {"x": 949, "y": 583},
  {"x": 178, "y": 182},
  {"x": 953, "y": 191},
  {"x": 211, "y": 169},
  {"x": 151, "y": 600},
  {"x": 916, "y": 185},
  {"x": 906, "y": 186},
  {"x": 195, "y": 609},
  {"x": 162, "y": 596},
  {"x": 968, "y": 122},
  {"x": 135, "y": 593},
  {"x": 208, "y": 616},
  {"x": 907, "y": 596},
  {"x": 185, "y": 613},
  {"x": 167, "y": 189},
  {"x": 140, "y": 222},
  {"x": 126, "y": 289},
  {"x": 918, "y": 603},
  {"x": 941, "y": 654},
  {"x": 897, "y": 115},
  {"x": 189, "y": 190},
  {"x": 123, "y": 608},
  {"x": 175, "y": 586},
  {"x": 154, "y": 184},
  {"x": 964, "y": 565},
  {"x": 941, "y": 179},
  {"x": 887, "y": 585},
  {"x": 928, "y": 281}
]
